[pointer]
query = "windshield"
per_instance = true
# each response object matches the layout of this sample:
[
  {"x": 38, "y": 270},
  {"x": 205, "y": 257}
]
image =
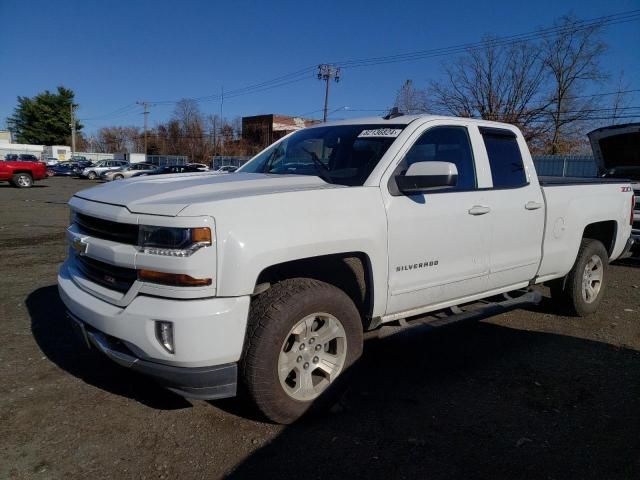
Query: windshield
[{"x": 343, "y": 154}]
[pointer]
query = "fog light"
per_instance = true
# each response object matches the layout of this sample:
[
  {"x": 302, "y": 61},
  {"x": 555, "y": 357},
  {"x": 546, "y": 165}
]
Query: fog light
[{"x": 164, "y": 334}]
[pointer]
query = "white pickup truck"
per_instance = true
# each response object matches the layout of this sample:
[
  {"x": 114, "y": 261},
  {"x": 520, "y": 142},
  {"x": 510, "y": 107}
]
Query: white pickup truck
[{"x": 267, "y": 278}]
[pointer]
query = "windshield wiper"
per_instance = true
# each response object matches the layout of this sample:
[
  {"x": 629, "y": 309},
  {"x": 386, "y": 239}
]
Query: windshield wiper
[{"x": 320, "y": 167}]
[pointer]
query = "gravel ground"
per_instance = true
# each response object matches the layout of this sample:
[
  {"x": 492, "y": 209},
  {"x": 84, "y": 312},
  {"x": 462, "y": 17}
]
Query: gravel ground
[{"x": 527, "y": 394}]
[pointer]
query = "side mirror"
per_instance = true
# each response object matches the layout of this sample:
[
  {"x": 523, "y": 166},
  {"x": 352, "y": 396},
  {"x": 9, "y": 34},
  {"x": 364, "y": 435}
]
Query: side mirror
[{"x": 421, "y": 176}]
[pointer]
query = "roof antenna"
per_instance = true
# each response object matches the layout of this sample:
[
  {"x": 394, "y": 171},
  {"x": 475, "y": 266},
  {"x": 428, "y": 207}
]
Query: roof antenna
[{"x": 393, "y": 113}]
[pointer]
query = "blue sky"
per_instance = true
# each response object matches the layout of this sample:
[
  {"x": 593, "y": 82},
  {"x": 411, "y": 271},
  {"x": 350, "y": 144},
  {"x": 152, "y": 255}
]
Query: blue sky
[{"x": 117, "y": 52}]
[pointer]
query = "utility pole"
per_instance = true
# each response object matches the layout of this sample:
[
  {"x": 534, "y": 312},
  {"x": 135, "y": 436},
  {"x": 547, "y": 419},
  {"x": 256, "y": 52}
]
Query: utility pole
[
  {"x": 73, "y": 130},
  {"x": 221, "y": 124},
  {"x": 327, "y": 72},
  {"x": 145, "y": 105}
]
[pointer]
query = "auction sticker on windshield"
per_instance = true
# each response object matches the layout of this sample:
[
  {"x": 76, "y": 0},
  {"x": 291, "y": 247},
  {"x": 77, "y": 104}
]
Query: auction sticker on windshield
[{"x": 381, "y": 132}]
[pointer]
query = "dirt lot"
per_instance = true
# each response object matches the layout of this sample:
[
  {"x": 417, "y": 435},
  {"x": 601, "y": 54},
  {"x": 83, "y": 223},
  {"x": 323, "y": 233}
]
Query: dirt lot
[{"x": 526, "y": 395}]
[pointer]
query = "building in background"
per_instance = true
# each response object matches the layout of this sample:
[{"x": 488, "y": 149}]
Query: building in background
[
  {"x": 263, "y": 130},
  {"x": 5, "y": 136}
]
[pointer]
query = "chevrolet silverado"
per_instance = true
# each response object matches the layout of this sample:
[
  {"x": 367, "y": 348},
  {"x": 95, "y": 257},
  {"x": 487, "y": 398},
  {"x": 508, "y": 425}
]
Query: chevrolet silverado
[{"x": 265, "y": 281}]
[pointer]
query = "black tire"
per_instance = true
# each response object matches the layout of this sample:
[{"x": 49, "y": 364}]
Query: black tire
[
  {"x": 118, "y": 177},
  {"x": 92, "y": 175},
  {"x": 568, "y": 293},
  {"x": 22, "y": 180},
  {"x": 272, "y": 316}
]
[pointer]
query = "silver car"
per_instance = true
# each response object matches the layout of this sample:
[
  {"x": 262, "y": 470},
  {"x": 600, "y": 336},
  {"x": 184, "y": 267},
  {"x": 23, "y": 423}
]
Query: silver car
[
  {"x": 102, "y": 166},
  {"x": 125, "y": 172}
]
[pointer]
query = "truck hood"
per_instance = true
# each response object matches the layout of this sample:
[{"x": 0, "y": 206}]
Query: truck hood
[
  {"x": 617, "y": 148},
  {"x": 170, "y": 194}
]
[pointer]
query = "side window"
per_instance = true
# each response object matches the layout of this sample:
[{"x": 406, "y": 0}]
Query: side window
[
  {"x": 505, "y": 160},
  {"x": 445, "y": 144}
]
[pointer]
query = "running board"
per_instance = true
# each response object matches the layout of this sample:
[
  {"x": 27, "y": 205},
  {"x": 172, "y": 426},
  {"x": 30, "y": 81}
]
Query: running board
[{"x": 441, "y": 319}]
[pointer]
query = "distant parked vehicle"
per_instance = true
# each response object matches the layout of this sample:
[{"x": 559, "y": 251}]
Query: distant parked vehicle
[
  {"x": 78, "y": 167},
  {"x": 100, "y": 167},
  {"x": 51, "y": 161},
  {"x": 168, "y": 170},
  {"x": 127, "y": 171},
  {"x": 79, "y": 158},
  {"x": 22, "y": 174},
  {"x": 227, "y": 169},
  {"x": 11, "y": 157},
  {"x": 27, "y": 157},
  {"x": 200, "y": 166},
  {"x": 62, "y": 169}
]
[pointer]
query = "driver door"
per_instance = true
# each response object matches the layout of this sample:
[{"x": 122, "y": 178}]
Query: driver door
[{"x": 439, "y": 239}]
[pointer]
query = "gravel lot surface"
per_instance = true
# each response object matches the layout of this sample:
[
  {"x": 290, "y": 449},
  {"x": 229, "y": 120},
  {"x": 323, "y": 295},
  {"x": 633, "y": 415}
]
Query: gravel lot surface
[{"x": 527, "y": 394}]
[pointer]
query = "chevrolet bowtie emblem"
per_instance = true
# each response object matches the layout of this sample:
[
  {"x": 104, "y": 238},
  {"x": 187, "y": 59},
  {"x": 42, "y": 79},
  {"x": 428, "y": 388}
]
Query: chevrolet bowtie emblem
[{"x": 79, "y": 246}]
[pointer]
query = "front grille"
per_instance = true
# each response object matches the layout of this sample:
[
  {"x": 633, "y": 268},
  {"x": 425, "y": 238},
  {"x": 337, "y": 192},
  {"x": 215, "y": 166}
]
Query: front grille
[
  {"x": 109, "y": 276},
  {"x": 107, "y": 230}
]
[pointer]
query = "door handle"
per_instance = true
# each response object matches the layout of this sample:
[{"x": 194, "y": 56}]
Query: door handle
[
  {"x": 533, "y": 205},
  {"x": 479, "y": 210}
]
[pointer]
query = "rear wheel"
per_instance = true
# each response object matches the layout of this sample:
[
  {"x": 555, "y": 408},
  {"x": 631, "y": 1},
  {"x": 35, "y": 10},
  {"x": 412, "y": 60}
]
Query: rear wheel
[
  {"x": 22, "y": 180},
  {"x": 302, "y": 337},
  {"x": 581, "y": 291}
]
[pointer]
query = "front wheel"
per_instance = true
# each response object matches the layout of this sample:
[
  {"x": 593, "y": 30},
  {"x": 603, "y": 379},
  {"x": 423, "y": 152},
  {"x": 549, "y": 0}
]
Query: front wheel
[
  {"x": 118, "y": 177},
  {"x": 92, "y": 175},
  {"x": 581, "y": 291},
  {"x": 303, "y": 336},
  {"x": 22, "y": 180}
]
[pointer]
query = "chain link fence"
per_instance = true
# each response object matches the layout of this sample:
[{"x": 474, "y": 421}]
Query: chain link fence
[
  {"x": 235, "y": 161},
  {"x": 565, "y": 165},
  {"x": 164, "y": 160}
]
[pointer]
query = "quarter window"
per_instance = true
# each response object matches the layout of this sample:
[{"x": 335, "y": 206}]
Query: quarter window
[{"x": 505, "y": 160}]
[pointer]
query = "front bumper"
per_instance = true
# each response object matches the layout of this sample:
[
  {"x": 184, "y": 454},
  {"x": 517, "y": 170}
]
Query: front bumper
[
  {"x": 208, "y": 336},
  {"x": 203, "y": 383}
]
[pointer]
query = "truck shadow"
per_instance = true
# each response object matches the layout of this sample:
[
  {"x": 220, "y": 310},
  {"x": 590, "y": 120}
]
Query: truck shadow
[
  {"x": 57, "y": 340},
  {"x": 472, "y": 401}
]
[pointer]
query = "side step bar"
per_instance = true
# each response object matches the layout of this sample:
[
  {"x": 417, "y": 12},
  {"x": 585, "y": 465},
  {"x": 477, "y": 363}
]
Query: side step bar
[{"x": 441, "y": 319}]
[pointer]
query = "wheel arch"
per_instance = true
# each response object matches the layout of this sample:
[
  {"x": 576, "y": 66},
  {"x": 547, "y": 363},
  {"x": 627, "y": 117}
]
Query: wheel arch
[
  {"x": 351, "y": 272},
  {"x": 604, "y": 231}
]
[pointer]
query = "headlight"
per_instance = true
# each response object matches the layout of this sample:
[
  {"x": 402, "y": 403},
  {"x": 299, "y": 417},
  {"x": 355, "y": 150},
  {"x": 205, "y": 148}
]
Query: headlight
[{"x": 173, "y": 242}]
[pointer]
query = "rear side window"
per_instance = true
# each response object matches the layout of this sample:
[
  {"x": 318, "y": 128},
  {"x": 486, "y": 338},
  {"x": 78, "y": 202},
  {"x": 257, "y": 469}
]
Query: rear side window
[{"x": 505, "y": 160}]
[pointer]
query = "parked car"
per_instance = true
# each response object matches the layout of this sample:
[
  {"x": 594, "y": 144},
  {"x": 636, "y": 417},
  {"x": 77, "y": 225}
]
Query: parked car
[
  {"x": 127, "y": 171},
  {"x": 51, "y": 161},
  {"x": 168, "y": 169},
  {"x": 200, "y": 166},
  {"x": 79, "y": 158},
  {"x": 11, "y": 157},
  {"x": 95, "y": 170},
  {"x": 27, "y": 157},
  {"x": 616, "y": 150},
  {"x": 62, "y": 169},
  {"x": 22, "y": 174},
  {"x": 227, "y": 169},
  {"x": 269, "y": 277},
  {"x": 78, "y": 167}
]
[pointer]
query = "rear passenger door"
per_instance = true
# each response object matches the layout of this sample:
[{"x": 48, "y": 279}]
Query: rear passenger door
[{"x": 517, "y": 209}]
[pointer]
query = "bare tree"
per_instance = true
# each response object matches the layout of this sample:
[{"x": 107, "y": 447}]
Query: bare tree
[
  {"x": 620, "y": 99},
  {"x": 572, "y": 59},
  {"x": 495, "y": 82},
  {"x": 411, "y": 100}
]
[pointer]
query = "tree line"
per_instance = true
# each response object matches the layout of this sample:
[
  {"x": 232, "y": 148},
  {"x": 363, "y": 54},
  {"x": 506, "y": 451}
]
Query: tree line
[{"x": 539, "y": 85}]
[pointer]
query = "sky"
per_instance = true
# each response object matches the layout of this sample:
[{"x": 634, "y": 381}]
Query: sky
[{"x": 114, "y": 53}]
